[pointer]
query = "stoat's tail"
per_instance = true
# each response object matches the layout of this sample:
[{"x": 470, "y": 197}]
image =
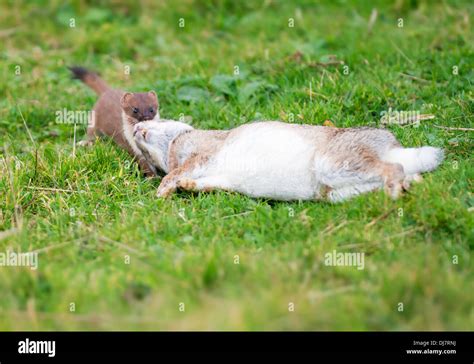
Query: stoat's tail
[
  {"x": 416, "y": 160},
  {"x": 90, "y": 78}
]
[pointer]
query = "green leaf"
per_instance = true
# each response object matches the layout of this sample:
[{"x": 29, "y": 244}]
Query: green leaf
[
  {"x": 224, "y": 84},
  {"x": 97, "y": 15},
  {"x": 192, "y": 94},
  {"x": 255, "y": 90},
  {"x": 312, "y": 49},
  {"x": 64, "y": 16}
]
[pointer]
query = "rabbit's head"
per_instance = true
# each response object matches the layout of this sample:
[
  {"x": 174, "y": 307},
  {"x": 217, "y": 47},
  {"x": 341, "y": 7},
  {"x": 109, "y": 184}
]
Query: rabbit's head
[{"x": 154, "y": 138}]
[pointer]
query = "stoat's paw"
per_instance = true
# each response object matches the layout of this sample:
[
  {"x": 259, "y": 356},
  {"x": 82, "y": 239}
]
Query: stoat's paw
[
  {"x": 149, "y": 175},
  {"x": 187, "y": 184},
  {"x": 85, "y": 143}
]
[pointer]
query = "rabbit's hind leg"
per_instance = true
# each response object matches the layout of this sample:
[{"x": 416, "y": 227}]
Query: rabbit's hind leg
[
  {"x": 350, "y": 174},
  {"x": 393, "y": 177},
  {"x": 409, "y": 178},
  {"x": 347, "y": 192}
]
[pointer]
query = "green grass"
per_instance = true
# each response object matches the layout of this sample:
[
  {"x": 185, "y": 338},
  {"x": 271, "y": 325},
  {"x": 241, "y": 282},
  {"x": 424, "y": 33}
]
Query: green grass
[{"x": 86, "y": 212}]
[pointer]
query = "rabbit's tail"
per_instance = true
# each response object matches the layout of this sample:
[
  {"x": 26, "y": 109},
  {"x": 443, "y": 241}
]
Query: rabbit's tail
[{"x": 416, "y": 160}]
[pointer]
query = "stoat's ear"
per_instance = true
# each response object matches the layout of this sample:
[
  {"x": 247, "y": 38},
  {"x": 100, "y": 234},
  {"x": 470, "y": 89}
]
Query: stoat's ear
[
  {"x": 125, "y": 99},
  {"x": 153, "y": 93}
]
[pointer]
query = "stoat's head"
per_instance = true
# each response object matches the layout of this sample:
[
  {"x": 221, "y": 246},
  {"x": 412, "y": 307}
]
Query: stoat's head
[
  {"x": 153, "y": 138},
  {"x": 140, "y": 106}
]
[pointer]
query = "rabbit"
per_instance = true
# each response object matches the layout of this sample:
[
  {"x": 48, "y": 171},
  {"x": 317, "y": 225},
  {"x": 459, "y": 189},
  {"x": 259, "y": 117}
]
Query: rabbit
[{"x": 282, "y": 161}]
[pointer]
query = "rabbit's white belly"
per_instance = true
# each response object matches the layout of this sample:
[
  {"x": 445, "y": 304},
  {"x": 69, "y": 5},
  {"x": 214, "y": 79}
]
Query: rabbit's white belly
[{"x": 263, "y": 161}]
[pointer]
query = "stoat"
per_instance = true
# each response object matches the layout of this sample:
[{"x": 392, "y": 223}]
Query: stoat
[
  {"x": 115, "y": 114},
  {"x": 283, "y": 161}
]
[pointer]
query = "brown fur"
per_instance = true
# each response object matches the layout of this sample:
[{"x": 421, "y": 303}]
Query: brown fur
[
  {"x": 361, "y": 156},
  {"x": 202, "y": 141},
  {"x": 107, "y": 112}
]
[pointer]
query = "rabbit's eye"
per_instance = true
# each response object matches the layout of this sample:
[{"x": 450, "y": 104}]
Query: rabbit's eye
[{"x": 135, "y": 110}]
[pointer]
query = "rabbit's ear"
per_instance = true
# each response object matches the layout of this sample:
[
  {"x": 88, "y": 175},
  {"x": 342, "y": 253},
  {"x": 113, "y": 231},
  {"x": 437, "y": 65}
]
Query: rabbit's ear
[{"x": 126, "y": 97}]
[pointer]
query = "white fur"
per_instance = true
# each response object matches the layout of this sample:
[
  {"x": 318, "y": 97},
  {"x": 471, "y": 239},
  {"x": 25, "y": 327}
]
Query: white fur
[
  {"x": 168, "y": 131},
  {"x": 262, "y": 161},
  {"x": 128, "y": 133},
  {"x": 415, "y": 160},
  {"x": 276, "y": 160}
]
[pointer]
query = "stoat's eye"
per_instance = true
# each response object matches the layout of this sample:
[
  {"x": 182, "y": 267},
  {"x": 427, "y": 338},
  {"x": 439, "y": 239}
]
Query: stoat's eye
[
  {"x": 151, "y": 109},
  {"x": 135, "y": 110}
]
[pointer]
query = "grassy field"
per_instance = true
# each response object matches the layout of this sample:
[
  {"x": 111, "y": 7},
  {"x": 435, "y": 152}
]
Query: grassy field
[{"x": 112, "y": 256}]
